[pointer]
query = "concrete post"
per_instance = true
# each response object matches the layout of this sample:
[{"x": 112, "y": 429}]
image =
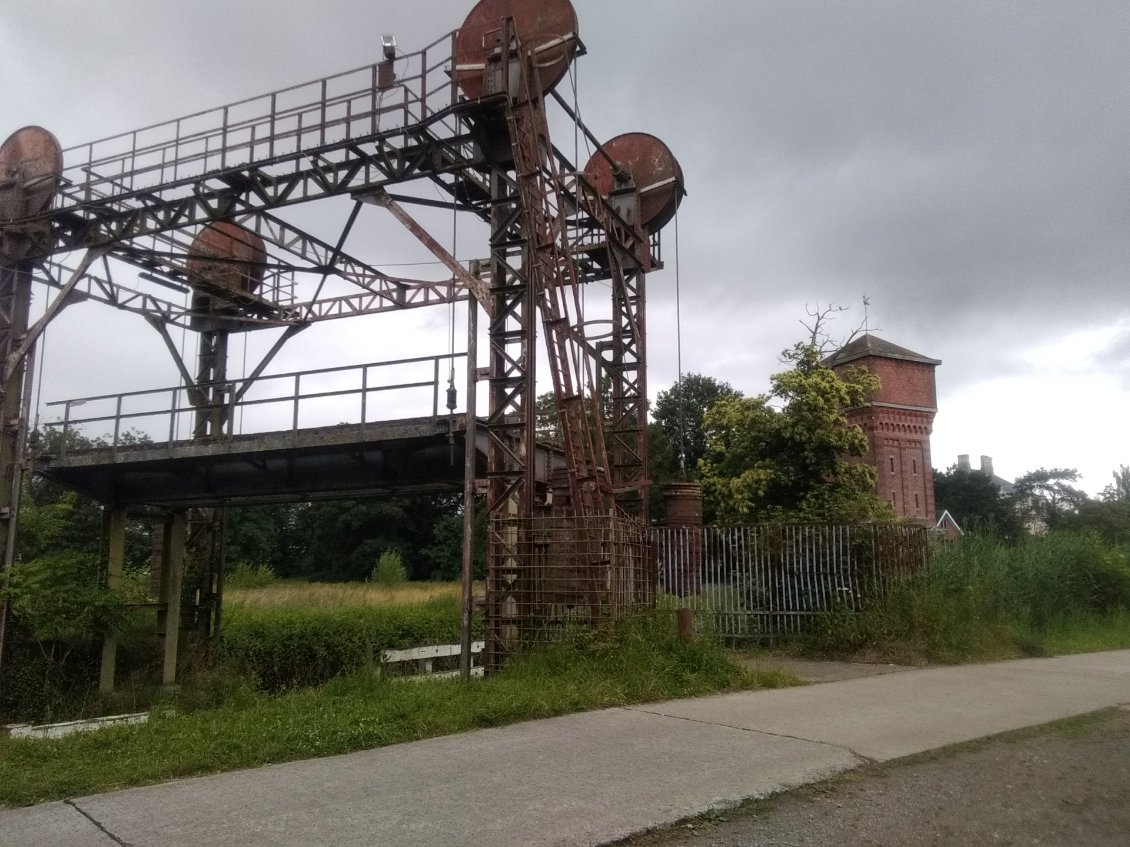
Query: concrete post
[
  {"x": 172, "y": 555},
  {"x": 114, "y": 530}
]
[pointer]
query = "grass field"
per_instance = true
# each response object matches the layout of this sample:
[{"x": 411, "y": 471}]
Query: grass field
[
  {"x": 295, "y": 594},
  {"x": 637, "y": 662}
]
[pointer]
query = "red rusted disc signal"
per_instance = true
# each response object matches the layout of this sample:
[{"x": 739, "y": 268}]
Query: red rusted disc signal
[
  {"x": 229, "y": 256},
  {"x": 548, "y": 27},
  {"x": 652, "y": 167},
  {"x": 31, "y": 163}
]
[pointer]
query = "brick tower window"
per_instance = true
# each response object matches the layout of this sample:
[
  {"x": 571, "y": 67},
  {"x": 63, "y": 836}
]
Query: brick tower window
[
  {"x": 914, "y": 466},
  {"x": 892, "y": 464}
]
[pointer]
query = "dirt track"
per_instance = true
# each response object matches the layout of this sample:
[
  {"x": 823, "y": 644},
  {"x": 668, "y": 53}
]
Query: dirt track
[{"x": 1065, "y": 784}]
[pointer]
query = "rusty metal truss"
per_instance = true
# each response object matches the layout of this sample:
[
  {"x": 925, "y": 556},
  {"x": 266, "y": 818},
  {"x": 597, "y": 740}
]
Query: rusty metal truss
[{"x": 139, "y": 198}]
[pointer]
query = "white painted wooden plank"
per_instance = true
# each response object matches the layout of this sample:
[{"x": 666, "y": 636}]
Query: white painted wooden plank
[{"x": 430, "y": 651}]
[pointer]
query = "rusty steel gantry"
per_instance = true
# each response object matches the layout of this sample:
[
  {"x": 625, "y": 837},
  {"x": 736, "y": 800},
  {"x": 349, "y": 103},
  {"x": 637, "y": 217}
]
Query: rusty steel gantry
[{"x": 467, "y": 114}]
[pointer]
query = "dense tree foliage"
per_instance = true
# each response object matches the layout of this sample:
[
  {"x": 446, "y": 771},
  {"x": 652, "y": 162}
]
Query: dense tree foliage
[
  {"x": 675, "y": 437},
  {"x": 1108, "y": 516},
  {"x": 56, "y": 520},
  {"x": 343, "y": 539},
  {"x": 789, "y": 455},
  {"x": 975, "y": 502},
  {"x": 1046, "y": 496},
  {"x": 679, "y": 413},
  {"x": 1044, "y": 499},
  {"x": 1119, "y": 490}
]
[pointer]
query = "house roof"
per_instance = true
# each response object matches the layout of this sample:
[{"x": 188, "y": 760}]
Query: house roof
[
  {"x": 870, "y": 345},
  {"x": 947, "y": 520}
]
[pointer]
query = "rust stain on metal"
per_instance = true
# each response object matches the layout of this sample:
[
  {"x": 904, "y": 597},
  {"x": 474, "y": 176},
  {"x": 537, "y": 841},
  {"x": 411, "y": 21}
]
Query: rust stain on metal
[
  {"x": 229, "y": 256},
  {"x": 548, "y": 27},
  {"x": 652, "y": 167},
  {"x": 31, "y": 162}
]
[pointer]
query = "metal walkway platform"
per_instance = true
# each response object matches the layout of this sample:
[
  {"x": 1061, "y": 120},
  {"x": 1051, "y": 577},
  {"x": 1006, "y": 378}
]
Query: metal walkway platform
[{"x": 414, "y": 455}]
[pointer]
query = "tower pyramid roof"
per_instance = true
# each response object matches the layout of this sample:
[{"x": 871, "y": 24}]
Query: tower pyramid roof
[{"x": 870, "y": 345}]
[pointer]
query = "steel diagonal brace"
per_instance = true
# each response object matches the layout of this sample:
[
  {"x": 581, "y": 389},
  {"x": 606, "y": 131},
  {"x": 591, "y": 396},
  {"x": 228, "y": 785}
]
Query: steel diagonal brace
[
  {"x": 291, "y": 331},
  {"x": 479, "y": 289},
  {"x": 195, "y": 395},
  {"x": 56, "y": 306}
]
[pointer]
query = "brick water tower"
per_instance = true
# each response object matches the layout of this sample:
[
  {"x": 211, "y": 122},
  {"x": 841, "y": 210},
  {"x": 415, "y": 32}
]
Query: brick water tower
[{"x": 897, "y": 420}]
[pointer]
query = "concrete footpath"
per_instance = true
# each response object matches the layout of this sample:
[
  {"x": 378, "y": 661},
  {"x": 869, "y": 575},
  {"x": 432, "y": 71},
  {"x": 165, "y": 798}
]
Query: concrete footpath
[{"x": 585, "y": 779}]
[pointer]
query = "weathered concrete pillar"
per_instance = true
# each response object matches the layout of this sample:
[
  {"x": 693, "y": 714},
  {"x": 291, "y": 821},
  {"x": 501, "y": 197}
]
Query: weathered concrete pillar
[
  {"x": 114, "y": 532},
  {"x": 172, "y": 570}
]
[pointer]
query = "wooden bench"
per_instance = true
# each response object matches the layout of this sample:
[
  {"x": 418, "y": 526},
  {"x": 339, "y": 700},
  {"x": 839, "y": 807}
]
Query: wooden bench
[{"x": 425, "y": 656}]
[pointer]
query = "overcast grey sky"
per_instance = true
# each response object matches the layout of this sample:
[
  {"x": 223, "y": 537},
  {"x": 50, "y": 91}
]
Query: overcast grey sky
[{"x": 963, "y": 164}]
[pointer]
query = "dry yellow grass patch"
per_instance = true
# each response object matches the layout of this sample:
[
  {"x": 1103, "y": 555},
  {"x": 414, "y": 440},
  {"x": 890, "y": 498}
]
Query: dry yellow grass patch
[{"x": 317, "y": 594}]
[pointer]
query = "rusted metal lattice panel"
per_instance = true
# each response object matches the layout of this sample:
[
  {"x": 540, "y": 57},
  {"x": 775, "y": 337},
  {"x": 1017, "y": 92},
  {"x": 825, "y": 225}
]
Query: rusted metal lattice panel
[
  {"x": 569, "y": 572},
  {"x": 765, "y": 581}
]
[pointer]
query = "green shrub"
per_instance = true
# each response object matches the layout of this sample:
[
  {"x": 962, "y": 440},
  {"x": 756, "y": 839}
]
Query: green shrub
[
  {"x": 60, "y": 610},
  {"x": 62, "y": 597},
  {"x": 55, "y": 680},
  {"x": 247, "y": 575},
  {"x": 280, "y": 648},
  {"x": 389, "y": 569}
]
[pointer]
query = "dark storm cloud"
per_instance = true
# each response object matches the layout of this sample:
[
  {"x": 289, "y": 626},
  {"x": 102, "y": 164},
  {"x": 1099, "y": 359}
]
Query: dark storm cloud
[
  {"x": 974, "y": 154},
  {"x": 964, "y": 164}
]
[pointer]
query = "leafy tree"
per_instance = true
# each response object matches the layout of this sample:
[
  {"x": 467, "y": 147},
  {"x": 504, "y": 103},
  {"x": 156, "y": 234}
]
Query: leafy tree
[
  {"x": 62, "y": 599},
  {"x": 340, "y": 540},
  {"x": 1047, "y": 495},
  {"x": 1119, "y": 490},
  {"x": 793, "y": 462},
  {"x": 444, "y": 555},
  {"x": 547, "y": 423},
  {"x": 389, "y": 569},
  {"x": 1109, "y": 519},
  {"x": 57, "y": 520},
  {"x": 975, "y": 502},
  {"x": 1108, "y": 516},
  {"x": 264, "y": 535},
  {"x": 678, "y": 413}
]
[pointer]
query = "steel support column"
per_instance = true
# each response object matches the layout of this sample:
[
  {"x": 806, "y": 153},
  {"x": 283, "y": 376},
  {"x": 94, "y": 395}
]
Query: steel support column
[
  {"x": 204, "y": 569},
  {"x": 15, "y": 305},
  {"x": 628, "y": 372},
  {"x": 510, "y": 419}
]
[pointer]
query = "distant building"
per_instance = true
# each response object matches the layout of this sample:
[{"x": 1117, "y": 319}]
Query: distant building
[
  {"x": 947, "y": 527},
  {"x": 1006, "y": 487},
  {"x": 897, "y": 421}
]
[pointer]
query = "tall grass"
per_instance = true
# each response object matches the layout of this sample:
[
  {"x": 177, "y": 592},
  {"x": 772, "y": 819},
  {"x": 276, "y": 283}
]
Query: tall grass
[
  {"x": 983, "y": 599},
  {"x": 638, "y": 661},
  {"x": 307, "y": 595},
  {"x": 282, "y": 645}
]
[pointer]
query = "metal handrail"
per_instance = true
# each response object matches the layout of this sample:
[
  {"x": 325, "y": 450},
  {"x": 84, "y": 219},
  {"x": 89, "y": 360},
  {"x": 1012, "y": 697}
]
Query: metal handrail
[
  {"x": 232, "y": 398},
  {"x": 260, "y": 129}
]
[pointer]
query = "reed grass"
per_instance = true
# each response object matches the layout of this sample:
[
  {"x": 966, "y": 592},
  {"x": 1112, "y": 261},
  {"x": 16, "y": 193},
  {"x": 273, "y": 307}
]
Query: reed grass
[
  {"x": 985, "y": 599},
  {"x": 305, "y": 595}
]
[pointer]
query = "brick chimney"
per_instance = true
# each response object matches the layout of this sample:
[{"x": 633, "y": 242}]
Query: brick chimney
[
  {"x": 963, "y": 462},
  {"x": 987, "y": 466}
]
